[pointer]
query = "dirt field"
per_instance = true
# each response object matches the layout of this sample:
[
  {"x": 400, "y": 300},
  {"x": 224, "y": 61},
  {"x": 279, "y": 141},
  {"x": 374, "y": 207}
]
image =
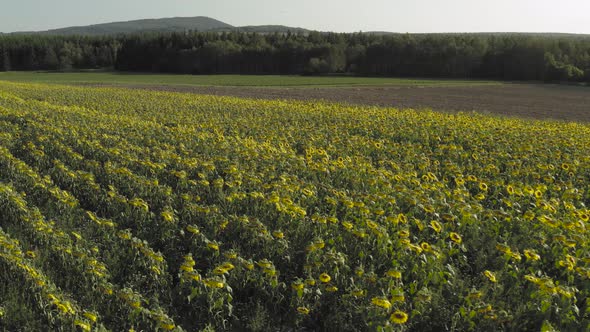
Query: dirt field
[{"x": 539, "y": 101}]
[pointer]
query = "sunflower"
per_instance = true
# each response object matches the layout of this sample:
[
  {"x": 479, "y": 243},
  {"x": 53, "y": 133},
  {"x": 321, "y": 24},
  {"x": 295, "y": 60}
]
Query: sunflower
[
  {"x": 398, "y": 317},
  {"x": 398, "y": 296},
  {"x": 359, "y": 271},
  {"x": 372, "y": 225},
  {"x": 516, "y": 256},
  {"x": 404, "y": 233},
  {"x": 415, "y": 248},
  {"x": 325, "y": 278},
  {"x": 570, "y": 243},
  {"x": 401, "y": 218},
  {"x": 331, "y": 288},
  {"x": 566, "y": 293},
  {"x": 230, "y": 255},
  {"x": 447, "y": 217},
  {"x": 490, "y": 316},
  {"x": 307, "y": 192},
  {"x": 270, "y": 272},
  {"x": 490, "y": 275},
  {"x": 265, "y": 263},
  {"x": 167, "y": 326},
  {"x": 532, "y": 278},
  {"x": 429, "y": 209},
  {"x": 455, "y": 237},
  {"x": 436, "y": 226},
  {"x": 193, "y": 229},
  {"x": 474, "y": 295},
  {"x": 510, "y": 190},
  {"x": 167, "y": 216},
  {"x": 91, "y": 316},
  {"x": 303, "y": 310},
  {"x": 212, "y": 283},
  {"x": 213, "y": 246},
  {"x": 394, "y": 274},
  {"x": 82, "y": 325},
  {"x": 298, "y": 285},
  {"x": 531, "y": 255},
  {"x": 186, "y": 267},
  {"x": 529, "y": 215},
  {"x": 484, "y": 309},
  {"x": 228, "y": 266},
  {"x": 381, "y": 302}
]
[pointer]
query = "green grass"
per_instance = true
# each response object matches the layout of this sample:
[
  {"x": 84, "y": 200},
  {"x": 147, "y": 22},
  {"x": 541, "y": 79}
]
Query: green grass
[{"x": 226, "y": 80}]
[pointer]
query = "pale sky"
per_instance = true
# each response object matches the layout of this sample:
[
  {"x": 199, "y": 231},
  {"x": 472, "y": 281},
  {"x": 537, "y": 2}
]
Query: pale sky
[{"x": 571, "y": 16}]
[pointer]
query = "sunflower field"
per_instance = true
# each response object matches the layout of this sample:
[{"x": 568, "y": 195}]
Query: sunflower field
[{"x": 131, "y": 210}]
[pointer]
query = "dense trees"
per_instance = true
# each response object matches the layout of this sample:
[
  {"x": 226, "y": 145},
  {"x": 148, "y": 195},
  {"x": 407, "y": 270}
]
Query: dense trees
[
  {"x": 494, "y": 56},
  {"x": 510, "y": 57},
  {"x": 57, "y": 53}
]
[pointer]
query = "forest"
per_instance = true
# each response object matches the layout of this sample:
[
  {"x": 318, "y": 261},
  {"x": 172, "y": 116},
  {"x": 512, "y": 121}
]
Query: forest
[{"x": 538, "y": 57}]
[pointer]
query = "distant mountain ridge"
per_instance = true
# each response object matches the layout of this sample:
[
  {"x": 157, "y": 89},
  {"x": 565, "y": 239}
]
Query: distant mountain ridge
[
  {"x": 173, "y": 24},
  {"x": 207, "y": 24}
]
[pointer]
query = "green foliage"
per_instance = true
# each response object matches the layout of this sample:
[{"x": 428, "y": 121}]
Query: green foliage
[
  {"x": 483, "y": 56},
  {"x": 560, "y": 71},
  {"x": 56, "y": 52}
]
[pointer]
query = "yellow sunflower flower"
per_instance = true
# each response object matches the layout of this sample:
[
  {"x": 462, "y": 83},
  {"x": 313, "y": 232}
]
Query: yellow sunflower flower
[
  {"x": 531, "y": 255},
  {"x": 436, "y": 226},
  {"x": 325, "y": 278},
  {"x": 398, "y": 317},
  {"x": 381, "y": 302},
  {"x": 455, "y": 237},
  {"x": 394, "y": 274},
  {"x": 303, "y": 310},
  {"x": 490, "y": 275}
]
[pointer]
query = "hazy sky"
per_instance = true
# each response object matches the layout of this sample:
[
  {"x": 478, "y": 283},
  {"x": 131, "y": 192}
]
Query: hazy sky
[{"x": 327, "y": 15}]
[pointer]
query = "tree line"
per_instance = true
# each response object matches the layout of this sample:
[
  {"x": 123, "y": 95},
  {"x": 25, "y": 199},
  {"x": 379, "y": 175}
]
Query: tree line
[
  {"x": 542, "y": 57},
  {"x": 35, "y": 52}
]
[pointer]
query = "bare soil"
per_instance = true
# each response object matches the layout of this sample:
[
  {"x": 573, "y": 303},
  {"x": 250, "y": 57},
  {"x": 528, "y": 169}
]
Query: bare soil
[{"x": 538, "y": 101}]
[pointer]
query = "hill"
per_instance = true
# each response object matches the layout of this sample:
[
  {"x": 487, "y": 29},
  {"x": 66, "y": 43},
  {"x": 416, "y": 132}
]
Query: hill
[{"x": 175, "y": 24}]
